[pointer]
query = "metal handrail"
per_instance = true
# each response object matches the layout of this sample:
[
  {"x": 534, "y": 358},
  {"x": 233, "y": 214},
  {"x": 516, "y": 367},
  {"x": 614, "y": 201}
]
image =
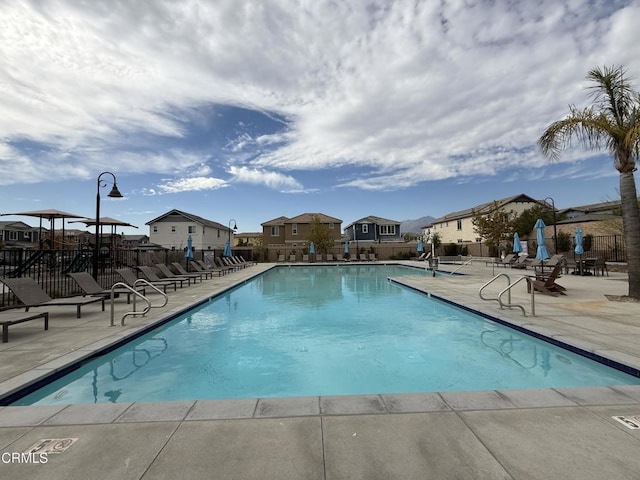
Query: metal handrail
[
  {"x": 510, "y": 305},
  {"x": 136, "y": 293},
  {"x": 464, "y": 264},
  {"x": 490, "y": 282}
]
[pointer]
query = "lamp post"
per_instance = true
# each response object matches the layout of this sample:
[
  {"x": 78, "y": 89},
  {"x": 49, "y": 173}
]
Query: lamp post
[
  {"x": 114, "y": 193},
  {"x": 555, "y": 232},
  {"x": 235, "y": 228}
]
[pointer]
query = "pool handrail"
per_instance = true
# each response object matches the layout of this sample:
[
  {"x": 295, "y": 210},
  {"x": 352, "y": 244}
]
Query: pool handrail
[
  {"x": 135, "y": 293},
  {"x": 507, "y": 290}
]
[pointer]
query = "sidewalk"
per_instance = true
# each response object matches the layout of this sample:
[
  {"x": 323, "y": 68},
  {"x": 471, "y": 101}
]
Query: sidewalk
[{"x": 549, "y": 433}]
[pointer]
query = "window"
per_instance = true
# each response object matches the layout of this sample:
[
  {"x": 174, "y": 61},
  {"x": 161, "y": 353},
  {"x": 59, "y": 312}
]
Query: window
[
  {"x": 459, "y": 224},
  {"x": 155, "y": 229},
  {"x": 294, "y": 229},
  {"x": 387, "y": 229},
  {"x": 192, "y": 229},
  {"x": 331, "y": 225},
  {"x": 173, "y": 229},
  {"x": 13, "y": 235},
  {"x": 365, "y": 228},
  {"x": 275, "y": 231},
  {"x": 27, "y": 235}
]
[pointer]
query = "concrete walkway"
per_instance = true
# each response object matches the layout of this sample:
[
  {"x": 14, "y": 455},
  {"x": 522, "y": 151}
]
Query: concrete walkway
[{"x": 526, "y": 434}]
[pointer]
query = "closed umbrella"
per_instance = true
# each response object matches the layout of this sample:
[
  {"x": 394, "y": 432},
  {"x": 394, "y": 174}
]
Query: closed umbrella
[
  {"x": 542, "y": 253},
  {"x": 420, "y": 246},
  {"x": 517, "y": 246},
  {"x": 579, "y": 250},
  {"x": 227, "y": 249},
  {"x": 346, "y": 249},
  {"x": 189, "y": 254},
  {"x": 312, "y": 248}
]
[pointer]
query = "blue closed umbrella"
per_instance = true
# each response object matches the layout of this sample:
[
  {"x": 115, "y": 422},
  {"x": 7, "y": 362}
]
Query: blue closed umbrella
[
  {"x": 189, "y": 254},
  {"x": 542, "y": 253},
  {"x": 420, "y": 246},
  {"x": 227, "y": 249},
  {"x": 312, "y": 248},
  {"x": 579, "y": 248},
  {"x": 346, "y": 247},
  {"x": 517, "y": 246}
]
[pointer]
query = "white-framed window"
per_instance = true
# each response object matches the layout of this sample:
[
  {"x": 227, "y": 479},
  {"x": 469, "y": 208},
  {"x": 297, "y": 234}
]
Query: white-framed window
[
  {"x": 387, "y": 229},
  {"x": 294, "y": 229},
  {"x": 173, "y": 229},
  {"x": 365, "y": 228},
  {"x": 13, "y": 236},
  {"x": 332, "y": 225},
  {"x": 155, "y": 229},
  {"x": 192, "y": 229},
  {"x": 27, "y": 235},
  {"x": 275, "y": 231},
  {"x": 459, "y": 225}
]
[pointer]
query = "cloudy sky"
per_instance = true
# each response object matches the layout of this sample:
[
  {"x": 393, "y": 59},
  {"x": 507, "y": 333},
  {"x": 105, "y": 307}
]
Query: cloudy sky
[{"x": 255, "y": 109}]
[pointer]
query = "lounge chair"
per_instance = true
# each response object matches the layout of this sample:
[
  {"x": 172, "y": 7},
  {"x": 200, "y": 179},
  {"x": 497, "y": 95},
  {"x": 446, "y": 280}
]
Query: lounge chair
[
  {"x": 151, "y": 276},
  {"x": 372, "y": 257},
  {"x": 201, "y": 267},
  {"x": 547, "y": 283},
  {"x": 521, "y": 262},
  {"x": 92, "y": 288},
  {"x": 305, "y": 258},
  {"x": 221, "y": 264},
  {"x": 181, "y": 271},
  {"x": 129, "y": 277},
  {"x": 169, "y": 275},
  {"x": 330, "y": 257},
  {"x": 363, "y": 257},
  {"x": 292, "y": 258},
  {"x": 280, "y": 258},
  {"x": 31, "y": 294},
  {"x": 508, "y": 260},
  {"x": 10, "y": 317}
]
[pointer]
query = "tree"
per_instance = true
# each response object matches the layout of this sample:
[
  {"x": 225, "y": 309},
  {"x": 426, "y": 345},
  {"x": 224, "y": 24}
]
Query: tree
[
  {"x": 524, "y": 223},
  {"x": 612, "y": 123},
  {"x": 320, "y": 235},
  {"x": 495, "y": 226}
]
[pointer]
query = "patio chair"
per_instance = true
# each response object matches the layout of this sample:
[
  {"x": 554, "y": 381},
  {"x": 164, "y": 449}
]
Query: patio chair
[
  {"x": 169, "y": 275},
  {"x": 508, "y": 260},
  {"x": 600, "y": 267},
  {"x": 129, "y": 277},
  {"x": 280, "y": 258},
  {"x": 521, "y": 262},
  {"x": 31, "y": 294},
  {"x": 151, "y": 276},
  {"x": 10, "y": 317},
  {"x": 547, "y": 283},
  {"x": 305, "y": 258},
  {"x": 363, "y": 257},
  {"x": 181, "y": 271},
  {"x": 372, "y": 257},
  {"x": 330, "y": 257},
  {"x": 292, "y": 258},
  {"x": 198, "y": 267},
  {"x": 92, "y": 288},
  {"x": 221, "y": 264}
]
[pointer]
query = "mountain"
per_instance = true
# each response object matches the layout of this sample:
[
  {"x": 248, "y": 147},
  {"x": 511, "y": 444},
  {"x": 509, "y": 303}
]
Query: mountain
[{"x": 414, "y": 226}]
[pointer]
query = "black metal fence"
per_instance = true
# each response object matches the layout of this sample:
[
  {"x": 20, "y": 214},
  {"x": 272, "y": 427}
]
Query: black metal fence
[{"x": 50, "y": 268}]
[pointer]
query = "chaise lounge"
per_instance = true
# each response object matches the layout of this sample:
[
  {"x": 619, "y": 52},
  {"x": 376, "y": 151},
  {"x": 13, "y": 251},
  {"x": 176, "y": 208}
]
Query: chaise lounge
[
  {"x": 31, "y": 294},
  {"x": 9, "y": 318}
]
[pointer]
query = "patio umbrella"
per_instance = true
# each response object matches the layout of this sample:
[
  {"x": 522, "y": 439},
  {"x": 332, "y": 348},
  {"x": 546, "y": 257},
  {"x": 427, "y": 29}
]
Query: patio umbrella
[
  {"x": 312, "y": 248},
  {"x": 420, "y": 248},
  {"x": 542, "y": 253},
  {"x": 346, "y": 248},
  {"x": 189, "y": 254},
  {"x": 517, "y": 246},
  {"x": 579, "y": 248},
  {"x": 227, "y": 249},
  {"x": 50, "y": 215}
]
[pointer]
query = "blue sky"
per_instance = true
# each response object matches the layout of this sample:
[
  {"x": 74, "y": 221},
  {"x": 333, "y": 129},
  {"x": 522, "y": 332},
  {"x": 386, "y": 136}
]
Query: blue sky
[{"x": 253, "y": 110}]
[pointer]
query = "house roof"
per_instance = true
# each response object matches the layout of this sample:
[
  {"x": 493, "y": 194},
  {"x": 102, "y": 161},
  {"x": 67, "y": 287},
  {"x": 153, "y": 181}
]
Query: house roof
[
  {"x": 487, "y": 207},
  {"x": 309, "y": 217},
  {"x": 276, "y": 221},
  {"x": 192, "y": 217},
  {"x": 375, "y": 220},
  {"x": 593, "y": 207},
  {"x": 17, "y": 224},
  {"x": 589, "y": 217}
]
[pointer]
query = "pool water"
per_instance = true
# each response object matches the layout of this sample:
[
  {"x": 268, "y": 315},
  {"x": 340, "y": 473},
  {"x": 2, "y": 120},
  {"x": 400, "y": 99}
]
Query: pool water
[{"x": 323, "y": 330}]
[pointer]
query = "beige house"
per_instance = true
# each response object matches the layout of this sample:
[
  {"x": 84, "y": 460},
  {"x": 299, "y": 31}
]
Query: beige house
[
  {"x": 294, "y": 231},
  {"x": 172, "y": 229},
  {"x": 457, "y": 227}
]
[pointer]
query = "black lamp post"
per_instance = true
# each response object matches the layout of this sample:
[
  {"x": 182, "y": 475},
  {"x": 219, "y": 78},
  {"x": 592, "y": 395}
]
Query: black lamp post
[
  {"x": 555, "y": 232},
  {"x": 114, "y": 193},
  {"x": 235, "y": 228}
]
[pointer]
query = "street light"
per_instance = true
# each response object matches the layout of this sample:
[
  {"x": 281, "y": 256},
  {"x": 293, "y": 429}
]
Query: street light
[
  {"x": 235, "y": 228},
  {"x": 114, "y": 193},
  {"x": 555, "y": 233}
]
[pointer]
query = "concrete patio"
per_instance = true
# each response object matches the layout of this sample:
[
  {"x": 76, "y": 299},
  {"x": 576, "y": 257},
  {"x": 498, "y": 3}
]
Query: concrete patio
[{"x": 567, "y": 433}]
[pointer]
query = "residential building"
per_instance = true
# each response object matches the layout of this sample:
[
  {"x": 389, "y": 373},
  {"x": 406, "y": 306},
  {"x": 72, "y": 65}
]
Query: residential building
[
  {"x": 373, "y": 230},
  {"x": 294, "y": 231},
  {"x": 134, "y": 241},
  {"x": 16, "y": 234},
  {"x": 248, "y": 239},
  {"x": 457, "y": 227},
  {"x": 172, "y": 229}
]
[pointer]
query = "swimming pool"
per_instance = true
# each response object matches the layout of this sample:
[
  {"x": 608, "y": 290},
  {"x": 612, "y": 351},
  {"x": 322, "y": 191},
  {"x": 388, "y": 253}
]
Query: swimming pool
[{"x": 323, "y": 330}]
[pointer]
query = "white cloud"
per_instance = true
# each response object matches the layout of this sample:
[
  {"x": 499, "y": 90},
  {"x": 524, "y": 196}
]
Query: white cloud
[{"x": 410, "y": 91}]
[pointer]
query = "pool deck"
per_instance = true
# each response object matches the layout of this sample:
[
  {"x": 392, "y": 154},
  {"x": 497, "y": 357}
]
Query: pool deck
[{"x": 561, "y": 433}]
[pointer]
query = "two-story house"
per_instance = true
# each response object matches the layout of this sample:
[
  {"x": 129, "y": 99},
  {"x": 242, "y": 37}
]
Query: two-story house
[
  {"x": 457, "y": 227},
  {"x": 172, "y": 229},
  {"x": 294, "y": 231},
  {"x": 18, "y": 234},
  {"x": 374, "y": 230}
]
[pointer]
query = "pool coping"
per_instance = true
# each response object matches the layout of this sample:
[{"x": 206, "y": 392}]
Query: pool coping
[{"x": 289, "y": 406}]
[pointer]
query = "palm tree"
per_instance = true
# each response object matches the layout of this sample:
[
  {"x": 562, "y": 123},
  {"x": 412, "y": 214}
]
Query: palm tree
[{"x": 613, "y": 121}]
